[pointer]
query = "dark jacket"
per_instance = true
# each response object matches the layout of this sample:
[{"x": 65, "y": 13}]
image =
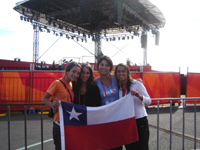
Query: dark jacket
[{"x": 92, "y": 97}]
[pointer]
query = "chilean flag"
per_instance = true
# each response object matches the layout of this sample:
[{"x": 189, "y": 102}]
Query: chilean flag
[{"x": 94, "y": 128}]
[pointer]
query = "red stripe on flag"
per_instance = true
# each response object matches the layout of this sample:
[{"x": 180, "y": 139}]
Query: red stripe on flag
[{"x": 101, "y": 136}]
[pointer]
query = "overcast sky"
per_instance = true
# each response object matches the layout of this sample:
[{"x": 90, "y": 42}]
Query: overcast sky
[{"x": 179, "y": 40}]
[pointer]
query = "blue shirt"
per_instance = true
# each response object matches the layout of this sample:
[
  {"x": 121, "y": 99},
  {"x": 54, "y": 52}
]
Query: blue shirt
[{"x": 110, "y": 97}]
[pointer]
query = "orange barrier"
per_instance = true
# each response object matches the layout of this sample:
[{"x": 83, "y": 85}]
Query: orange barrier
[
  {"x": 193, "y": 87},
  {"x": 30, "y": 86},
  {"x": 25, "y": 87},
  {"x": 162, "y": 85}
]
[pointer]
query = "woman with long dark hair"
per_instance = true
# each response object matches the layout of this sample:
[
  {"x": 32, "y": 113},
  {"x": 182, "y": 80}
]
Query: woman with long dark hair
[
  {"x": 85, "y": 90},
  {"x": 141, "y": 98}
]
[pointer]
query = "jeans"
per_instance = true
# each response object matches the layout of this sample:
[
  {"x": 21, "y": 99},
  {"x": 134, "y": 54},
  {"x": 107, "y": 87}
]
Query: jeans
[{"x": 56, "y": 136}]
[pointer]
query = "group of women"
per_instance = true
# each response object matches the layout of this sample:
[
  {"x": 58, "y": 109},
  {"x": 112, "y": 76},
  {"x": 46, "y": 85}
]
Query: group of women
[{"x": 79, "y": 86}]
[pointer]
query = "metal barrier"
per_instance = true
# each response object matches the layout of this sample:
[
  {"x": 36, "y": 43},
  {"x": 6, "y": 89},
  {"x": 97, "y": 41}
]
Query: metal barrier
[
  {"x": 25, "y": 122},
  {"x": 158, "y": 108},
  {"x": 183, "y": 127}
]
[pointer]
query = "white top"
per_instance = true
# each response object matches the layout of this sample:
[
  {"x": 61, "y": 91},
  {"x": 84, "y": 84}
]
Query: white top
[{"x": 140, "y": 110}]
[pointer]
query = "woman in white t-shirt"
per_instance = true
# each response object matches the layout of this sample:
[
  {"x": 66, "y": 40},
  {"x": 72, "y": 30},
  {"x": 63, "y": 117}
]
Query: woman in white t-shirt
[{"x": 141, "y": 98}]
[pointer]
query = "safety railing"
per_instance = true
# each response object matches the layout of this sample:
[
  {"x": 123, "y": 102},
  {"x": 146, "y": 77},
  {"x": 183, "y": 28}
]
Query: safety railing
[
  {"x": 25, "y": 122},
  {"x": 183, "y": 121},
  {"x": 158, "y": 120}
]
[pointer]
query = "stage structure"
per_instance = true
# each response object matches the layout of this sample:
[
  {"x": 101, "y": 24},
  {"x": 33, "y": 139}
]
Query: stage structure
[{"x": 96, "y": 19}]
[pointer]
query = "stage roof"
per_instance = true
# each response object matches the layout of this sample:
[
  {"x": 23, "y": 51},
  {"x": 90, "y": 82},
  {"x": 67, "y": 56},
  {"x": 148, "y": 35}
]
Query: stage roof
[{"x": 91, "y": 16}]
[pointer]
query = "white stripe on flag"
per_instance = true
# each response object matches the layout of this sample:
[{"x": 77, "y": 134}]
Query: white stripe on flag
[
  {"x": 119, "y": 110},
  {"x": 62, "y": 133}
]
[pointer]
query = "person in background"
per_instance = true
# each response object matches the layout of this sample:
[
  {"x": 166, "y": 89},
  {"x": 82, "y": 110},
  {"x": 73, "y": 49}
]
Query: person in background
[
  {"x": 57, "y": 90},
  {"x": 141, "y": 98},
  {"x": 85, "y": 90}
]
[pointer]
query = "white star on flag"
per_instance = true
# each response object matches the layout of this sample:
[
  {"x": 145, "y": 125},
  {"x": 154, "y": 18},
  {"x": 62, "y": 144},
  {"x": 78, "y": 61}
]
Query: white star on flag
[{"x": 74, "y": 114}]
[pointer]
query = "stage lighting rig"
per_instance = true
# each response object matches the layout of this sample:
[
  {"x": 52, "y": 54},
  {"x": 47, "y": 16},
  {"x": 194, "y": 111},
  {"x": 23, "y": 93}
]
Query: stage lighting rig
[
  {"x": 67, "y": 36},
  {"x": 94, "y": 18},
  {"x": 60, "y": 26},
  {"x": 40, "y": 28},
  {"x": 54, "y": 24},
  {"x": 21, "y": 17},
  {"x": 113, "y": 37},
  {"x": 49, "y": 21}
]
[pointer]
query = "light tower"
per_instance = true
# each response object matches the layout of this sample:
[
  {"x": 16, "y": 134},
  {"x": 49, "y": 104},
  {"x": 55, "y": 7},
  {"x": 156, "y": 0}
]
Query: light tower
[{"x": 35, "y": 42}]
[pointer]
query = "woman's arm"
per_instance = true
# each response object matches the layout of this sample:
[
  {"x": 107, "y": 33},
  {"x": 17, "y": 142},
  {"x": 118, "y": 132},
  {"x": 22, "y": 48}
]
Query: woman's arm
[{"x": 47, "y": 102}]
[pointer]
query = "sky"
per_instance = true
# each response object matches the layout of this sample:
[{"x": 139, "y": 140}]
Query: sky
[{"x": 178, "y": 49}]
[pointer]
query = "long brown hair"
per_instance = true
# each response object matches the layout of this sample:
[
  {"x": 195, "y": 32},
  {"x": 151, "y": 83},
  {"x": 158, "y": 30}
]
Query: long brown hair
[
  {"x": 71, "y": 65},
  {"x": 129, "y": 79},
  {"x": 90, "y": 81}
]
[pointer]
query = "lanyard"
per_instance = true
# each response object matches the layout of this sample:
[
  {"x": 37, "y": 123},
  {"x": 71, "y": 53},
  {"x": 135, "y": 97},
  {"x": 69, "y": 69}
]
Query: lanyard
[
  {"x": 67, "y": 89},
  {"x": 124, "y": 90},
  {"x": 104, "y": 87}
]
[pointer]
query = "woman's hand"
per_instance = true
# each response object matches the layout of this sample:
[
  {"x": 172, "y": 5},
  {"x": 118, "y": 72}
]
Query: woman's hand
[
  {"x": 55, "y": 105},
  {"x": 140, "y": 80},
  {"x": 137, "y": 94}
]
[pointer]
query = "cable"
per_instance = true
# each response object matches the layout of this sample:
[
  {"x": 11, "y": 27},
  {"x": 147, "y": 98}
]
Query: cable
[
  {"x": 49, "y": 47},
  {"x": 84, "y": 47},
  {"x": 116, "y": 47},
  {"x": 120, "y": 50}
]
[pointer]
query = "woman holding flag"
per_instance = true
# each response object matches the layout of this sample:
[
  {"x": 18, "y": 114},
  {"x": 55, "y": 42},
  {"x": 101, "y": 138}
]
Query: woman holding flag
[
  {"x": 107, "y": 84},
  {"x": 141, "y": 98},
  {"x": 61, "y": 90}
]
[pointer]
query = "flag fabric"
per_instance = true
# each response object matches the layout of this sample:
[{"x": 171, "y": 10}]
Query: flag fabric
[{"x": 94, "y": 128}]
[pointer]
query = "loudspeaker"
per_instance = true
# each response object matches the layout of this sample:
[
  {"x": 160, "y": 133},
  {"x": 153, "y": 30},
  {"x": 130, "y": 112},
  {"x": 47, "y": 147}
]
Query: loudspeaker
[
  {"x": 144, "y": 41},
  {"x": 157, "y": 38}
]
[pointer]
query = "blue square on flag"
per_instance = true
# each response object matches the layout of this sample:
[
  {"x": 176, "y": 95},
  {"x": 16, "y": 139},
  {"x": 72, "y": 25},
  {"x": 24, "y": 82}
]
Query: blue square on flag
[{"x": 75, "y": 115}]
